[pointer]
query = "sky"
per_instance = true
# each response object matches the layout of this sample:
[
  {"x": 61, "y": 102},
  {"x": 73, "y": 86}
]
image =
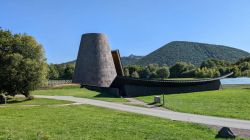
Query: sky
[{"x": 132, "y": 26}]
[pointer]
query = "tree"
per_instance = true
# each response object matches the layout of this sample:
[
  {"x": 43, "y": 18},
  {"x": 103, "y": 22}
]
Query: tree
[
  {"x": 163, "y": 72},
  {"x": 22, "y": 64},
  {"x": 61, "y": 69},
  {"x": 206, "y": 73},
  {"x": 237, "y": 72},
  {"x": 134, "y": 68},
  {"x": 153, "y": 75},
  {"x": 144, "y": 73},
  {"x": 188, "y": 73},
  {"x": 246, "y": 73},
  {"x": 126, "y": 72},
  {"x": 243, "y": 60},
  {"x": 244, "y": 66},
  {"x": 179, "y": 68},
  {"x": 135, "y": 74},
  {"x": 68, "y": 72},
  {"x": 153, "y": 67},
  {"x": 215, "y": 63},
  {"x": 224, "y": 70},
  {"x": 53, "y": 72}
]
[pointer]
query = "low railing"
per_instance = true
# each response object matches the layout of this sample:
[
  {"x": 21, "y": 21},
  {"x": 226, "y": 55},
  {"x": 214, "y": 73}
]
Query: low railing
[{"x": 52, "y": 83}]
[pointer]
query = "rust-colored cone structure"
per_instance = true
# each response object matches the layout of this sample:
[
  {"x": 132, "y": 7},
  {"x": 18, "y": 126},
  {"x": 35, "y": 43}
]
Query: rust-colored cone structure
[{"x": 94, "y": 64}]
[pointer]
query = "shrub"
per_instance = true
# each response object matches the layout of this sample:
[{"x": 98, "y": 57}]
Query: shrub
[{"x": 163, "y": 72}]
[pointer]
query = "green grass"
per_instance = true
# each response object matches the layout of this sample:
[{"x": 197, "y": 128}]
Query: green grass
[
  {"x": 89, "y": 122},
  {"x": 23, "y": 101},
  {"x": 79, "y": 92},
  {"x": 232, "y": 101}
]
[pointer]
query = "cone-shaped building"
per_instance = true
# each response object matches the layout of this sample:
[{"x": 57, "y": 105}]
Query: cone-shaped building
[{"x": 94, "y": 64}]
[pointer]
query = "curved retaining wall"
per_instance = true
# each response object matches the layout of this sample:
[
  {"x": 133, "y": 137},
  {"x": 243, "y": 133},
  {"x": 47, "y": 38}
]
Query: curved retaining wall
[
  {"x": 139, "y": 90},
  {"x": 140, "y": 87}
]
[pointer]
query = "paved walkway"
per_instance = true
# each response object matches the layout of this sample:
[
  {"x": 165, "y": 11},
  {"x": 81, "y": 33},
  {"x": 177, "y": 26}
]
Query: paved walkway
[
  {"x": 208, "y": 120},
  {"x": 133, "y": 101}
]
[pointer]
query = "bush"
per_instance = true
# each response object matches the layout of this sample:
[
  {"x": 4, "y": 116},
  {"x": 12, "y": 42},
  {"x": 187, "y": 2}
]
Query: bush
[
  {"x": 163, "y": 72},
  {"x": 206, "y": 73},
  {"x": 144, "y": 73},
  {"x": 179, "y": 68}
]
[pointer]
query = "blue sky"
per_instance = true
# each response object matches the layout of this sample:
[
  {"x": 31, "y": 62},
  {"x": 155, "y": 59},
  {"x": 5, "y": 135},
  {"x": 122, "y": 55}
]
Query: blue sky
[{"x": 132, "y": 26}]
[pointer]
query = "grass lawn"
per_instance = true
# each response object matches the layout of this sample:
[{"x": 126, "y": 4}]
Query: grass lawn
[
  {"x": 232, "y": 101},
  {"x": 75, "y": 90},
  {"x": 89, "y": 122},
  {"x": 23, "y": 101}
]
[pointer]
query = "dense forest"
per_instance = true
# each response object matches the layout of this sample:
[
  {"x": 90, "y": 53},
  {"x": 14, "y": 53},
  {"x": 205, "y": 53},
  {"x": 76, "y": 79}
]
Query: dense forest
[{"x": 208, "y": 69}]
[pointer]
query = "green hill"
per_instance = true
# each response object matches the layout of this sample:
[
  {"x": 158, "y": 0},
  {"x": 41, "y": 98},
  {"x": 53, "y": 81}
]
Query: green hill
[{"x": 191, "y": 52}]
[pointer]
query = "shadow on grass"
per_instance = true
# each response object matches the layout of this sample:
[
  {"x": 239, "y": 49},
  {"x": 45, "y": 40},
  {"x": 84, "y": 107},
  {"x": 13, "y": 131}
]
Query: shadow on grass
[
  {"x": 106, "y": 95},
  {"x": 155, "y": 104},
  {"x": 15, "y": 101},
  {"x": 104, "y": 92}
]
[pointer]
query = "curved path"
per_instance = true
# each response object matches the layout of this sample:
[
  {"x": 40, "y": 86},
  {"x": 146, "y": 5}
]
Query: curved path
[{"x": 208, "y": 120}]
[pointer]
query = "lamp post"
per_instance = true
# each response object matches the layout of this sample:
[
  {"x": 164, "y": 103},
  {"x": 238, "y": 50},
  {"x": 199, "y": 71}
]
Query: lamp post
[{"x": 163, "y": 99}]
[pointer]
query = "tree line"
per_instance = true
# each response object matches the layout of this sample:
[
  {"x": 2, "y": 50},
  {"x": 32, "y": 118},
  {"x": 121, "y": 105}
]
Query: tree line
[
  {"x": 60, "y": 71},
  {"x": 208, "y": 69}
]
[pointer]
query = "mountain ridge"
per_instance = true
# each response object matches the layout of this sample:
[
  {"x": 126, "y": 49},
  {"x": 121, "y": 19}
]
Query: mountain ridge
[{"x": 185, "y": 51}]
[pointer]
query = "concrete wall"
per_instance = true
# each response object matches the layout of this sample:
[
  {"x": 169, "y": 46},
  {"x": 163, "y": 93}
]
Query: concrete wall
[{"x": 94, "y": 64}]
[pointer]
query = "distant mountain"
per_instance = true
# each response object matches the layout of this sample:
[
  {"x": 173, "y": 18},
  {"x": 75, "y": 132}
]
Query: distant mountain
[
  {"x": 126, "y": 60},
  {"x": 70, "y": 62},
  {"x": 191, "y": 52},
  {"x": 131, "y": 59},
  {"x": 183, "y": 51}
]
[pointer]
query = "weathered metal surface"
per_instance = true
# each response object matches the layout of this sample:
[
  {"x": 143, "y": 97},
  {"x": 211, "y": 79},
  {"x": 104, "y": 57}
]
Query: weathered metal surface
[{"x": 118, "y": 63}]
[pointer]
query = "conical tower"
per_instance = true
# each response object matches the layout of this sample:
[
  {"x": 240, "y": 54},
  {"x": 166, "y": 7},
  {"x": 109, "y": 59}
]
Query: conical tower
[{"x": 94, "y": 64}]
